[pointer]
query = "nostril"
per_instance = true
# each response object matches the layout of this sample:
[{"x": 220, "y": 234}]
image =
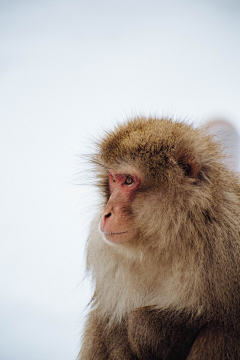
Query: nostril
[{"x": 108, "y": 215}]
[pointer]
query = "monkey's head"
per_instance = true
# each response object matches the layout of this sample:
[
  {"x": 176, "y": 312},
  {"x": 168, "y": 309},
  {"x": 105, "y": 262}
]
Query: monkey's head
[{"x": 149, "y": 170}]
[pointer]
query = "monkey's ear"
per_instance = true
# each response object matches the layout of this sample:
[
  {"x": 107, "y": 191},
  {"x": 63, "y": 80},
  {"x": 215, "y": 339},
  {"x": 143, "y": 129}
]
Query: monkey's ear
[{"x": 190, "y": 165}]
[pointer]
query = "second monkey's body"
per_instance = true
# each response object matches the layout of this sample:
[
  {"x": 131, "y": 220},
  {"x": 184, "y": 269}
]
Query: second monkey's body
[{"x": 164, "y": 250}]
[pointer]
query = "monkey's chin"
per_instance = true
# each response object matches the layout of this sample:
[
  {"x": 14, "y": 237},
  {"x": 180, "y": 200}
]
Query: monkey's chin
[{"x": 116, "y": 238}]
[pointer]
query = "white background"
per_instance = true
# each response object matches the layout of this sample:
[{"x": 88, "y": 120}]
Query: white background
[{"x": 68, "y": 70}]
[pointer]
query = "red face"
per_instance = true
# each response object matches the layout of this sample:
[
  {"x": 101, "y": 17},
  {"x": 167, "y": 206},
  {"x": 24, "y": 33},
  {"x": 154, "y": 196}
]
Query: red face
[{"x": 116, "y": 222}]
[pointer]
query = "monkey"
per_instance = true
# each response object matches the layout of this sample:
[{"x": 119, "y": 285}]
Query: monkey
[{"x": 164, "y": 247}]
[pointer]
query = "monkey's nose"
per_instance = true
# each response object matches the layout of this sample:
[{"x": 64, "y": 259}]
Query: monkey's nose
[{"x": 108, "y": 215}]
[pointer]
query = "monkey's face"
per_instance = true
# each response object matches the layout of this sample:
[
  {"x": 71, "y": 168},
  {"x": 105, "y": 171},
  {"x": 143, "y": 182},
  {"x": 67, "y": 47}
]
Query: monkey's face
[
  {"x": 148, "y": 170},
  {"x": 116, "y": 224}
]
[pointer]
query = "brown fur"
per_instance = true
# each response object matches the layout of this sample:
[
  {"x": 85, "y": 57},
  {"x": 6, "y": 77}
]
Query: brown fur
[{"x": 173, "y": 291}]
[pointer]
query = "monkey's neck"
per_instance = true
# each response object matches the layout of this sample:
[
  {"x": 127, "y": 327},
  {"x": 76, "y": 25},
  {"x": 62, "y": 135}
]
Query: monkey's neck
[{"x": 123, "y": 283}]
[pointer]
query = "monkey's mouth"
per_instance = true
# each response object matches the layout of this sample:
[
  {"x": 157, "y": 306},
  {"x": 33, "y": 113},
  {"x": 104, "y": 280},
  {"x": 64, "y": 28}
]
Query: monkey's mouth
[
  {"x": 114, "y": 233},
  {"x": 115, "y": 237}
]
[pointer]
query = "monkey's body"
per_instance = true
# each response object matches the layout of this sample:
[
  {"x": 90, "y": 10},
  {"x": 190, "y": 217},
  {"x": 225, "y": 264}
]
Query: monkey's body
[{"x": 170, "y": 289}]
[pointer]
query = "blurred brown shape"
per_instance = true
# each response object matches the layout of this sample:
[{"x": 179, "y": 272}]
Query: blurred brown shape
[{"x": 229, "y": 138}]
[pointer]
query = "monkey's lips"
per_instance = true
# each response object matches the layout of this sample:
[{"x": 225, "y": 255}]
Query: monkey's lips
[{"x": 115, "y": 237}]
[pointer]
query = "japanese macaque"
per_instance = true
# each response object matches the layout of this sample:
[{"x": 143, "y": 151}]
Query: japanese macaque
[{"x": 164, "y": 249}]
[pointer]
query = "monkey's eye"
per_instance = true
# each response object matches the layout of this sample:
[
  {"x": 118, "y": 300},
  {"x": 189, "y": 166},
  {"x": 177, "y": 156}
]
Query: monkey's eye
[
  {"x": 129, "y": 180},
  {"x": 114, "y": 180}
]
